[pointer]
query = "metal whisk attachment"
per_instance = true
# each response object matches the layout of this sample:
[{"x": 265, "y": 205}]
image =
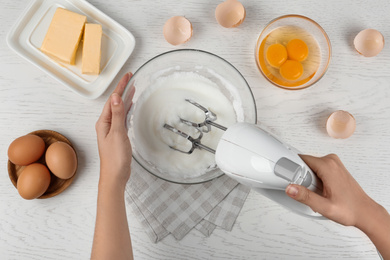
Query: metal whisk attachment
[
  {"x": 210, "y": 117},
  {"x": 195, "y": 141},
  {"x": 203, "y": 127}
]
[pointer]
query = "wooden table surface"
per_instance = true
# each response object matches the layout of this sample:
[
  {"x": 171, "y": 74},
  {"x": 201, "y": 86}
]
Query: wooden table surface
[{"x": 62, "y": 227}]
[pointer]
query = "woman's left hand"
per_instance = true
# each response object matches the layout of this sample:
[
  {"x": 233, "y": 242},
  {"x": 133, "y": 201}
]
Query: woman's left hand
[{"x": 114, "y": 144}]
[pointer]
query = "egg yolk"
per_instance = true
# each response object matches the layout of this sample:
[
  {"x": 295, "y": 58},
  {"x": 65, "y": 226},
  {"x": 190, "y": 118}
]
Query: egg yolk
[
  {"x": 291, "y": 70},
  {"x": 297, "y": 50},
  {"x": 276, "y": 55}
]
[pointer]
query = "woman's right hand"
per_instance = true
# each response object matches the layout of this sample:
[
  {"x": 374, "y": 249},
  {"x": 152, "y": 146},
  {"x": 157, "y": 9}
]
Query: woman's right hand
[{"x": 344, "y": 201}]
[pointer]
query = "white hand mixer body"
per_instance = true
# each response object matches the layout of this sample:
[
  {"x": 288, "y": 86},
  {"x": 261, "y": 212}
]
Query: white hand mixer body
[{"x": 257, "y": 159}]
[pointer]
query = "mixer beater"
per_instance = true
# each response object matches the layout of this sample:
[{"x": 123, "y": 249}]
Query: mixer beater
[{"x": 203, "y": 127}]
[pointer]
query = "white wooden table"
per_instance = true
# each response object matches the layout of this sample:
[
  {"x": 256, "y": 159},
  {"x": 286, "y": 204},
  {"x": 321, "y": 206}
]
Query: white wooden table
[{"x": 62, "y": 227}]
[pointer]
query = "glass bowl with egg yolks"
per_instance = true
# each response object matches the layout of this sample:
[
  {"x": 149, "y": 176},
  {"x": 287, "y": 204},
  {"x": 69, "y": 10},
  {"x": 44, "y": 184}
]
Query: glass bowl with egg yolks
[
  {"x": 162, "y": 84},
  {"x": 293, "y": 52}
]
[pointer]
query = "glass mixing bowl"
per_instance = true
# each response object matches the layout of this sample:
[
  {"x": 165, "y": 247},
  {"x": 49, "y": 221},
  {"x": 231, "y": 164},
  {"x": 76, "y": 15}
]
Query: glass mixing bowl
[
  {"x": 290, "y": 27},
  {"x": 206, "y": 64}
]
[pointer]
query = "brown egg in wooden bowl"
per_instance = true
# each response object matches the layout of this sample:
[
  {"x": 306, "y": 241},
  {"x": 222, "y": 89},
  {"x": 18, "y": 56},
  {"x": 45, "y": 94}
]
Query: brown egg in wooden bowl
[{"x": 63, "y": 151}]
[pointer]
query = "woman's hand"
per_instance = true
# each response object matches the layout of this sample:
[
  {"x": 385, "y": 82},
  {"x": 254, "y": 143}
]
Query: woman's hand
[
  {"x": 113, "y": 142},
  {"x": 112, "y": 237},
  {"x": 344, "y": 201}
]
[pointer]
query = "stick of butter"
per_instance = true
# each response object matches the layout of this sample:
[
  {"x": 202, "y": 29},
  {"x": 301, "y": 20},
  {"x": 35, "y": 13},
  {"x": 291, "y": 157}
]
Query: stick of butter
[
  {"x": 92, "y": 49},
  {"x": 63, "y": 36}
]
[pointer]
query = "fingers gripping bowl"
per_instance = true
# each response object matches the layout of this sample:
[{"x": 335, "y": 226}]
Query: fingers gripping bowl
[{"x": 162, "y": 85}]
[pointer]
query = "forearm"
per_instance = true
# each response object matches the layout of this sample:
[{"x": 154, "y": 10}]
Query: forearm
[
  {"x": 112, "y": 236},
  {"x": 377, "y": 227}
]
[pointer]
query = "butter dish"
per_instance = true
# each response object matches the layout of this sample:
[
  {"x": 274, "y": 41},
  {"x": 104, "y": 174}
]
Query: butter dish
[{"x": 27, "y": 35}]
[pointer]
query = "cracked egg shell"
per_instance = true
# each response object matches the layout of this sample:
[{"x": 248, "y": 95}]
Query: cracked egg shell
[
  {"x": 340, "y": 124},
  {"x": 230, "y": 13},
  {"x": 369, "y": 42},
  {"x": 177, "y": 30}
]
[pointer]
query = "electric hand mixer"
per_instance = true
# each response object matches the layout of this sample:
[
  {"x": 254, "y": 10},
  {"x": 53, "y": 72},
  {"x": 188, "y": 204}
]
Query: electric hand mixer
[{"x": 255, "y": 158}]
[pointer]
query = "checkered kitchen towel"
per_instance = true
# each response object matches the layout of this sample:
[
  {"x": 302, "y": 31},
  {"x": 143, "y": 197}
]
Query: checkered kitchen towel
[{"x": 166, "y": 208}]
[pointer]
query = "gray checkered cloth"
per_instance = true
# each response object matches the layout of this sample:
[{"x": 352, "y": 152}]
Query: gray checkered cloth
[{"x": 165, "y": 208}]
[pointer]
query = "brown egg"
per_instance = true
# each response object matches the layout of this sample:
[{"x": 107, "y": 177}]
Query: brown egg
[
  {"x": 26, "y": 149},
  {"x": 177, "y": 30},
  {"x": 61, "y": 159},
  {"x": 340, "y": 124},
  {"x": 33, "y": 181},
  {"x": 369, "y": 42},
  {"x": 230, "y": 13}
]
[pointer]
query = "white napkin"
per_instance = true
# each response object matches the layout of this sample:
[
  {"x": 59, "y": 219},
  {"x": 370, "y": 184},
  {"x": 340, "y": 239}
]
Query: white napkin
[{"x": 166, "y": 208}]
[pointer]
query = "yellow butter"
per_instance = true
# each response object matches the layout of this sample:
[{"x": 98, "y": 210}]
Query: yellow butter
[
  {"x": 92, "y": 49},
  {"x": 63, "y": 36}
]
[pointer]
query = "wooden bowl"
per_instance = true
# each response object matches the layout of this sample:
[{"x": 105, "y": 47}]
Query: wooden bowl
[{"x": 57, "y": 185}]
